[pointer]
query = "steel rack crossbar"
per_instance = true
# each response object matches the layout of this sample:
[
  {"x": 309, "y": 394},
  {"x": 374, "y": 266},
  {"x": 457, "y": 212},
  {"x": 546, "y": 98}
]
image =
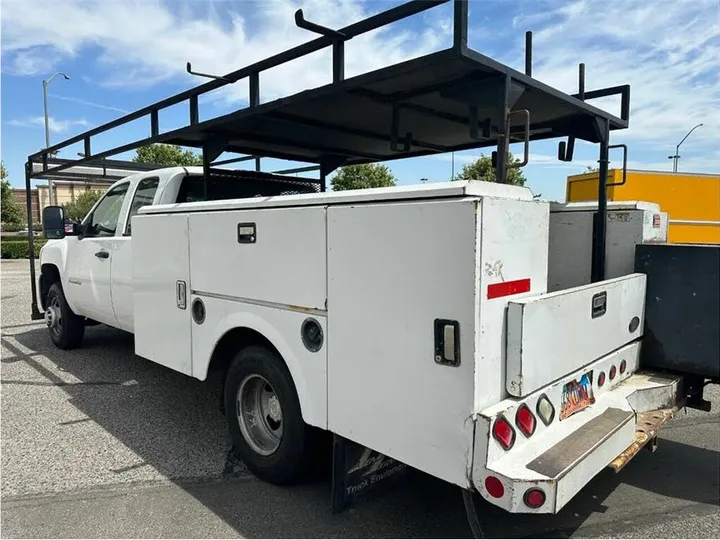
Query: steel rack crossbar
[
  {"x": 101, "y": 171},
  {"x": 451, "y": 100}
]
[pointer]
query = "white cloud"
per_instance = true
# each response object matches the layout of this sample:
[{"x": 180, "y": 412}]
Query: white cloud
[
  {"x": 54, "y": 125},
  {"x": 667, "y": 50},
  {"x": 142, "y": 43},
  {"x": 32, "y": 61}
]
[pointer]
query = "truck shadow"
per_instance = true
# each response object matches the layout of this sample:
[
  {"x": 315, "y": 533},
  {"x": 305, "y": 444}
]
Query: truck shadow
[{"x": 173, "y": 424}]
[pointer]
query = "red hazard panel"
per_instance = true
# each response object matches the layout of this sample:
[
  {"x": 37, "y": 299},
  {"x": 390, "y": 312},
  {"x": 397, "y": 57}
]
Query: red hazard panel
[{"x": 506, "y": 288}]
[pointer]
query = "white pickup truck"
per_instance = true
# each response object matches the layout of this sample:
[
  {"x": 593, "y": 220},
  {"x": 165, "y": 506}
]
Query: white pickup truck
[
  {"x": 415, "y": 321},
  {"x": 92, "y": 268}
]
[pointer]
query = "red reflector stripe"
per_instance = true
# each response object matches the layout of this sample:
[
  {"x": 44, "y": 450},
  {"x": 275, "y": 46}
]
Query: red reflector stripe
[{"x": 506, "y": 288}]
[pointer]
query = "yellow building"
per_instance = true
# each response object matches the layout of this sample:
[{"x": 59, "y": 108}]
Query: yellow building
[{"x": 691, "y": 200}]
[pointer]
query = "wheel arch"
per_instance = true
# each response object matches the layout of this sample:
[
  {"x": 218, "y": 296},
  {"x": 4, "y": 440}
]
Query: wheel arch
[
  {"x": 53, "y": 267},
  {"x": 237, "y": 333},
  {"x": 49, "y": 274}
]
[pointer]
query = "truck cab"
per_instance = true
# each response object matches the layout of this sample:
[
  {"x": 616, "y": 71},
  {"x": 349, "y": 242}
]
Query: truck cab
[{"x": 93, "y": 263}]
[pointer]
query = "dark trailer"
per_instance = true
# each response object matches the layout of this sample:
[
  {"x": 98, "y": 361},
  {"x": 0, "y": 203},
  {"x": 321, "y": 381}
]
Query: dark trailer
[{"x": 451, "y": 100}]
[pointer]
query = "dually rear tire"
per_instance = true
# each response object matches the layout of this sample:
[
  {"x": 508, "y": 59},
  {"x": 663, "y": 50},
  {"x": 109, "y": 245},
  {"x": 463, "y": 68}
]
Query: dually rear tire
[{"x": 263, "y": 414}]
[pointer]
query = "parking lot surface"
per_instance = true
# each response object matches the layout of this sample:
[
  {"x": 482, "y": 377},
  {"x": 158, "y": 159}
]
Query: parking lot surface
[{"x": 100, "y": 443}]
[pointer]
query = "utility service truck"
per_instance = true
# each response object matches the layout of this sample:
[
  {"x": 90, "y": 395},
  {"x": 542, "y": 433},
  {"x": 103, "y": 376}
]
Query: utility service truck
[{"x": 452, "y": 327}]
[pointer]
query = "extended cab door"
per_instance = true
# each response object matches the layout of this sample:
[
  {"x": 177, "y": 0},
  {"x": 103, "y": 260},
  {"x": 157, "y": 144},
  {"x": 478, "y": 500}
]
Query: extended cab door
[
  {"x": 89, "y": 259},
  {"x": 122, "y": 272}
]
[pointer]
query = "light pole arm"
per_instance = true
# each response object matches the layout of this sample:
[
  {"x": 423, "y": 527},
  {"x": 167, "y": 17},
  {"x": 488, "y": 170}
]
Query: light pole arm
[
  {"x": 676, "y": 157},
  {"x": 688, "y": 134}
]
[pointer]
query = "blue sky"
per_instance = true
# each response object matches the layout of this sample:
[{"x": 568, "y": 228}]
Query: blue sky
[{"x": 122, "y": 55}]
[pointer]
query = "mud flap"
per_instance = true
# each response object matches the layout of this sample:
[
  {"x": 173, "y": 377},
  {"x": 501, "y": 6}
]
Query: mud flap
[{"x": 358, "y": 470}]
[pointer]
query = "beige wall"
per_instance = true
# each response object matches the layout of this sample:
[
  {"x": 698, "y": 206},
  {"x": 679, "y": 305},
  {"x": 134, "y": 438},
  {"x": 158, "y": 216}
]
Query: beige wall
[
  {"x": 19, "y": 195},
  {"x": 64, "y": 192},
  {"x": 67, "y": 193}
]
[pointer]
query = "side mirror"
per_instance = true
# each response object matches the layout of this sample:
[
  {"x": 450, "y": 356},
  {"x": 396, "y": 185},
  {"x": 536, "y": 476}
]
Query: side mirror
[{"x": 53, "y": 222}]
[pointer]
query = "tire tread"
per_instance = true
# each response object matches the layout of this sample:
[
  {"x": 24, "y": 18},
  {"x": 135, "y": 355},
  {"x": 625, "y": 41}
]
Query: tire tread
[{"x": 73, "y": 325}]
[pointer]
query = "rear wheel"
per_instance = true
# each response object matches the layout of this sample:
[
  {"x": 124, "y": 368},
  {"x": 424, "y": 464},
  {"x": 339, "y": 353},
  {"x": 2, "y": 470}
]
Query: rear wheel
[
  {"x": 263, "y": 415},
  {"x": 66, "y": 328}
]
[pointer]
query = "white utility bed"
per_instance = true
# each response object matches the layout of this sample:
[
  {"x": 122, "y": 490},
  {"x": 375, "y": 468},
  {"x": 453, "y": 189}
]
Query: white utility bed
[
  {"x": 409, "y": 285},
  {"x": 461, "y": 188},
  {"x": 629, "y": 223}
]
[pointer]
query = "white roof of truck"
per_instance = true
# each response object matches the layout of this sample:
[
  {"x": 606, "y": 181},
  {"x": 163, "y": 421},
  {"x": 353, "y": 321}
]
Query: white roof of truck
[
  {"x": 611, "y": 205},
  {"x": 454, "y": 189}
]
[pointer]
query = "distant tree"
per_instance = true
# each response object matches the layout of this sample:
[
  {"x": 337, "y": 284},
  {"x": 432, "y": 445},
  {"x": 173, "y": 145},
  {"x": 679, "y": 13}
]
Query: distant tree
[
  {"x": 167, "y": 154},
  {"x": 367, "y": 175},
  {"x": 79, "y": 208},
  {"x": 11, "y": 211},
  {"x": 482, "y": 169}
]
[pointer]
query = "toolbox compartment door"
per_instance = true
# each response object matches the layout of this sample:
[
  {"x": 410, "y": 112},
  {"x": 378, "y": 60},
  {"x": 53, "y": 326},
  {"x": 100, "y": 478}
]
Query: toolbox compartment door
[
  {"x": 161, "y": 290},
  {"x": 551, "y": 335}
]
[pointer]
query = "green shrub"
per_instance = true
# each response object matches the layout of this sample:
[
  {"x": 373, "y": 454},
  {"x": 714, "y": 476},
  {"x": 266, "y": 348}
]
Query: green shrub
[
  {"x": 17, "y": 248},
  {"x": 13, "y": 227}
]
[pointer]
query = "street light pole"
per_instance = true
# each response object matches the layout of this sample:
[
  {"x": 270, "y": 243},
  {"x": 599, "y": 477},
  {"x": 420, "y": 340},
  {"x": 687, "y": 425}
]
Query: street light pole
[
  {"x": 676, "y": 157},
  {"x": 46, "y": 82}
]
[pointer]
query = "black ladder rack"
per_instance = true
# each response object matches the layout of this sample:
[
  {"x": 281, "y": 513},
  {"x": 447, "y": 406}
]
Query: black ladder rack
[{"x": 451, "y": 100}]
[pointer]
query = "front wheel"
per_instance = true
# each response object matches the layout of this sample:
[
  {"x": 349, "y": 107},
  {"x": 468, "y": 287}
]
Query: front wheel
[
  {"x": 262, "y": 411},
  {"x": 66, "y": 328}
]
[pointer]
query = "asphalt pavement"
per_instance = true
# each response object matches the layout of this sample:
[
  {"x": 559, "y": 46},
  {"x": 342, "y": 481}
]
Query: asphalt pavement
[{"x": 100, "y": 443}]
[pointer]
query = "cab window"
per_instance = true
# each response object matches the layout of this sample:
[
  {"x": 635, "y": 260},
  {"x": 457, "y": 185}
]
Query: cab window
[
  {"x": 144, "y": 196},
  {"x": 104, "y": 219}
]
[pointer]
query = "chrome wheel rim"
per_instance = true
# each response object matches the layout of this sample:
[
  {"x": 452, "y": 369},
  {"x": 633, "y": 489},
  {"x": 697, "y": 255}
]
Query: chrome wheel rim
[
  {"x": 53, "y": 317},
  {"x": 259, "y": 414}
]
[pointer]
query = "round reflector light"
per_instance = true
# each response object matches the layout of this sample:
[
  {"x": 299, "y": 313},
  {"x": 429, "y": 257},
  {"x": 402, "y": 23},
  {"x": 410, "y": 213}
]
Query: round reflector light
[
  {"x": 494, "y": 487},
  {"x": 613, "y": 372},
  {"x": 503, "y": 433},
  {"x": 534, "y": 498},
  {"x": 525, "y": 420},
  {"x": 601, "y": 378},
  {"x": 623, "y": 366},
  {"x": 545, "y": 410}
]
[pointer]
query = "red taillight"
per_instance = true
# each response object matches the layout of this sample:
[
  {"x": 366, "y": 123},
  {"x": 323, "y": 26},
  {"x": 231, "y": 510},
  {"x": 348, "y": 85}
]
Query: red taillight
[
  {"x": 534, "y": 498},
  {"x": 623, "y": 367},
  {"x": 503, "y": 433},
  {"x": 494, "y": 487},
  {"x": 601, "y": 378},
  {"x": 525, "y": 421},
  {"x": 613, "y": 372}
]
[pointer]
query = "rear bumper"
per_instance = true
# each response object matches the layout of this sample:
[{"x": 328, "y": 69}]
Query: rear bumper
[{"x": 562, "y": 457}]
